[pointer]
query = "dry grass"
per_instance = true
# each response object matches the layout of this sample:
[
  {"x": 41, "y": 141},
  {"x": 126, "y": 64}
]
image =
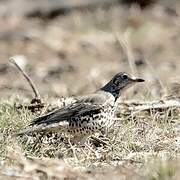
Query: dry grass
[
  {"x": 144, "y": 145},
  {"x": 87, "y": 48}
]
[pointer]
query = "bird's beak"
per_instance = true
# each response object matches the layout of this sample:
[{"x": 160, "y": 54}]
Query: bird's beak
[{"x": 138, "y": 80}]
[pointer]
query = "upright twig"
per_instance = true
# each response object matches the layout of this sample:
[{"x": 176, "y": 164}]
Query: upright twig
[
  {"x": 146, "y": 106},
  {"x": 155, "y": 74},
  {"x": 32, "y": 85},
  {"x": 124, "y": 43}
]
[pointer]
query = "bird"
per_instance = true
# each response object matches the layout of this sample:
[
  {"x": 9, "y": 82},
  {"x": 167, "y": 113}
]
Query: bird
[{"x": 88, "y": 114}]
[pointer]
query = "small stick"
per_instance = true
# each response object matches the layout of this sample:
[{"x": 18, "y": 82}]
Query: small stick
[
  {"x": 152, "y": 105},
  {"x": 73, "y": 149},
  {"x": 124, "y": 43},
  {"x": 32, "y": 85},
  {"x": 155, "y": 74}
]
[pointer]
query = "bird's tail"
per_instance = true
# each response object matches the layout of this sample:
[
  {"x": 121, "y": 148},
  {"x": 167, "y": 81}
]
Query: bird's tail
[
  {"x": 43, "y": 128},
  {"x": 29, "y": 131}
]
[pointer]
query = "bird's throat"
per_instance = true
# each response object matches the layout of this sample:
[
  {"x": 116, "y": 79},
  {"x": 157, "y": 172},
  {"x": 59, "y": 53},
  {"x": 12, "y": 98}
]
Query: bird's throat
[{"x": 111, "y": 89}]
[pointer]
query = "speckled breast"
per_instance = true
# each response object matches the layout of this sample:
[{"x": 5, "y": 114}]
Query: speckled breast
[
  {"x": 93, "y": 122},
  {"x": 107, "y": 116}
]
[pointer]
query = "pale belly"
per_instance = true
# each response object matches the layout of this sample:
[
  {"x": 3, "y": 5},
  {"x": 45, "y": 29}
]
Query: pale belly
[{"x": 92, "y": 124}]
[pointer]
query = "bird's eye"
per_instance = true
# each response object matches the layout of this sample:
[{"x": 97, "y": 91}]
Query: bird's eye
[{"x": 124, "y": 76}]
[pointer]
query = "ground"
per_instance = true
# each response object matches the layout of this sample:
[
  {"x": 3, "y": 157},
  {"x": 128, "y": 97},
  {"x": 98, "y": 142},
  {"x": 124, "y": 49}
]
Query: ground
[{"x": 75, "y": 54}]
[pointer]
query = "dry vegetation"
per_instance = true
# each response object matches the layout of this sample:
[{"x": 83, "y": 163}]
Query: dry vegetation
[{"x": 74, "y": 54}]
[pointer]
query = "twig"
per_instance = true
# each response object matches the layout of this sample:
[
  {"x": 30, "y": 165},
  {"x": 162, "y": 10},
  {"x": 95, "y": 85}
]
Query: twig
[
  {"x": 92, "y": 150},
  {"x": 155, "y": 74},
  {"x": 124, "y": 42},
  {"x": 32, "y": 85},
  {"x": 73, "y": 149},
  {"x": 152, "y": 105}
]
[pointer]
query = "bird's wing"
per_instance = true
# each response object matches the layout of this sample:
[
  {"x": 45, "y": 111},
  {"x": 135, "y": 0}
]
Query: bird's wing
[
  {"x": 83, "y": 106},
  {"x": 60, "y": 119}
]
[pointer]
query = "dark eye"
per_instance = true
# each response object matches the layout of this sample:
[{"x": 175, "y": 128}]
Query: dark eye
[{"x": 124, "y": 76}]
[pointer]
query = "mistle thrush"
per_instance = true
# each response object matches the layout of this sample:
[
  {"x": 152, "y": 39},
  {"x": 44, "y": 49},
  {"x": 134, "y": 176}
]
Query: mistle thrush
[{"x": 88, "y": 114}]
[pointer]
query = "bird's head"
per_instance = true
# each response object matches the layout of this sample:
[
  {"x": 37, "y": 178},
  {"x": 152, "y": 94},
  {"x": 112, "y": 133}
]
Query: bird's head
[{"x": 119, "y": 83}]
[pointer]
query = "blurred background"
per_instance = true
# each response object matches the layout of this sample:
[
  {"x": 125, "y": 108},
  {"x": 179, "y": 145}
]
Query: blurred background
[{"x": 72, "y": 47}]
